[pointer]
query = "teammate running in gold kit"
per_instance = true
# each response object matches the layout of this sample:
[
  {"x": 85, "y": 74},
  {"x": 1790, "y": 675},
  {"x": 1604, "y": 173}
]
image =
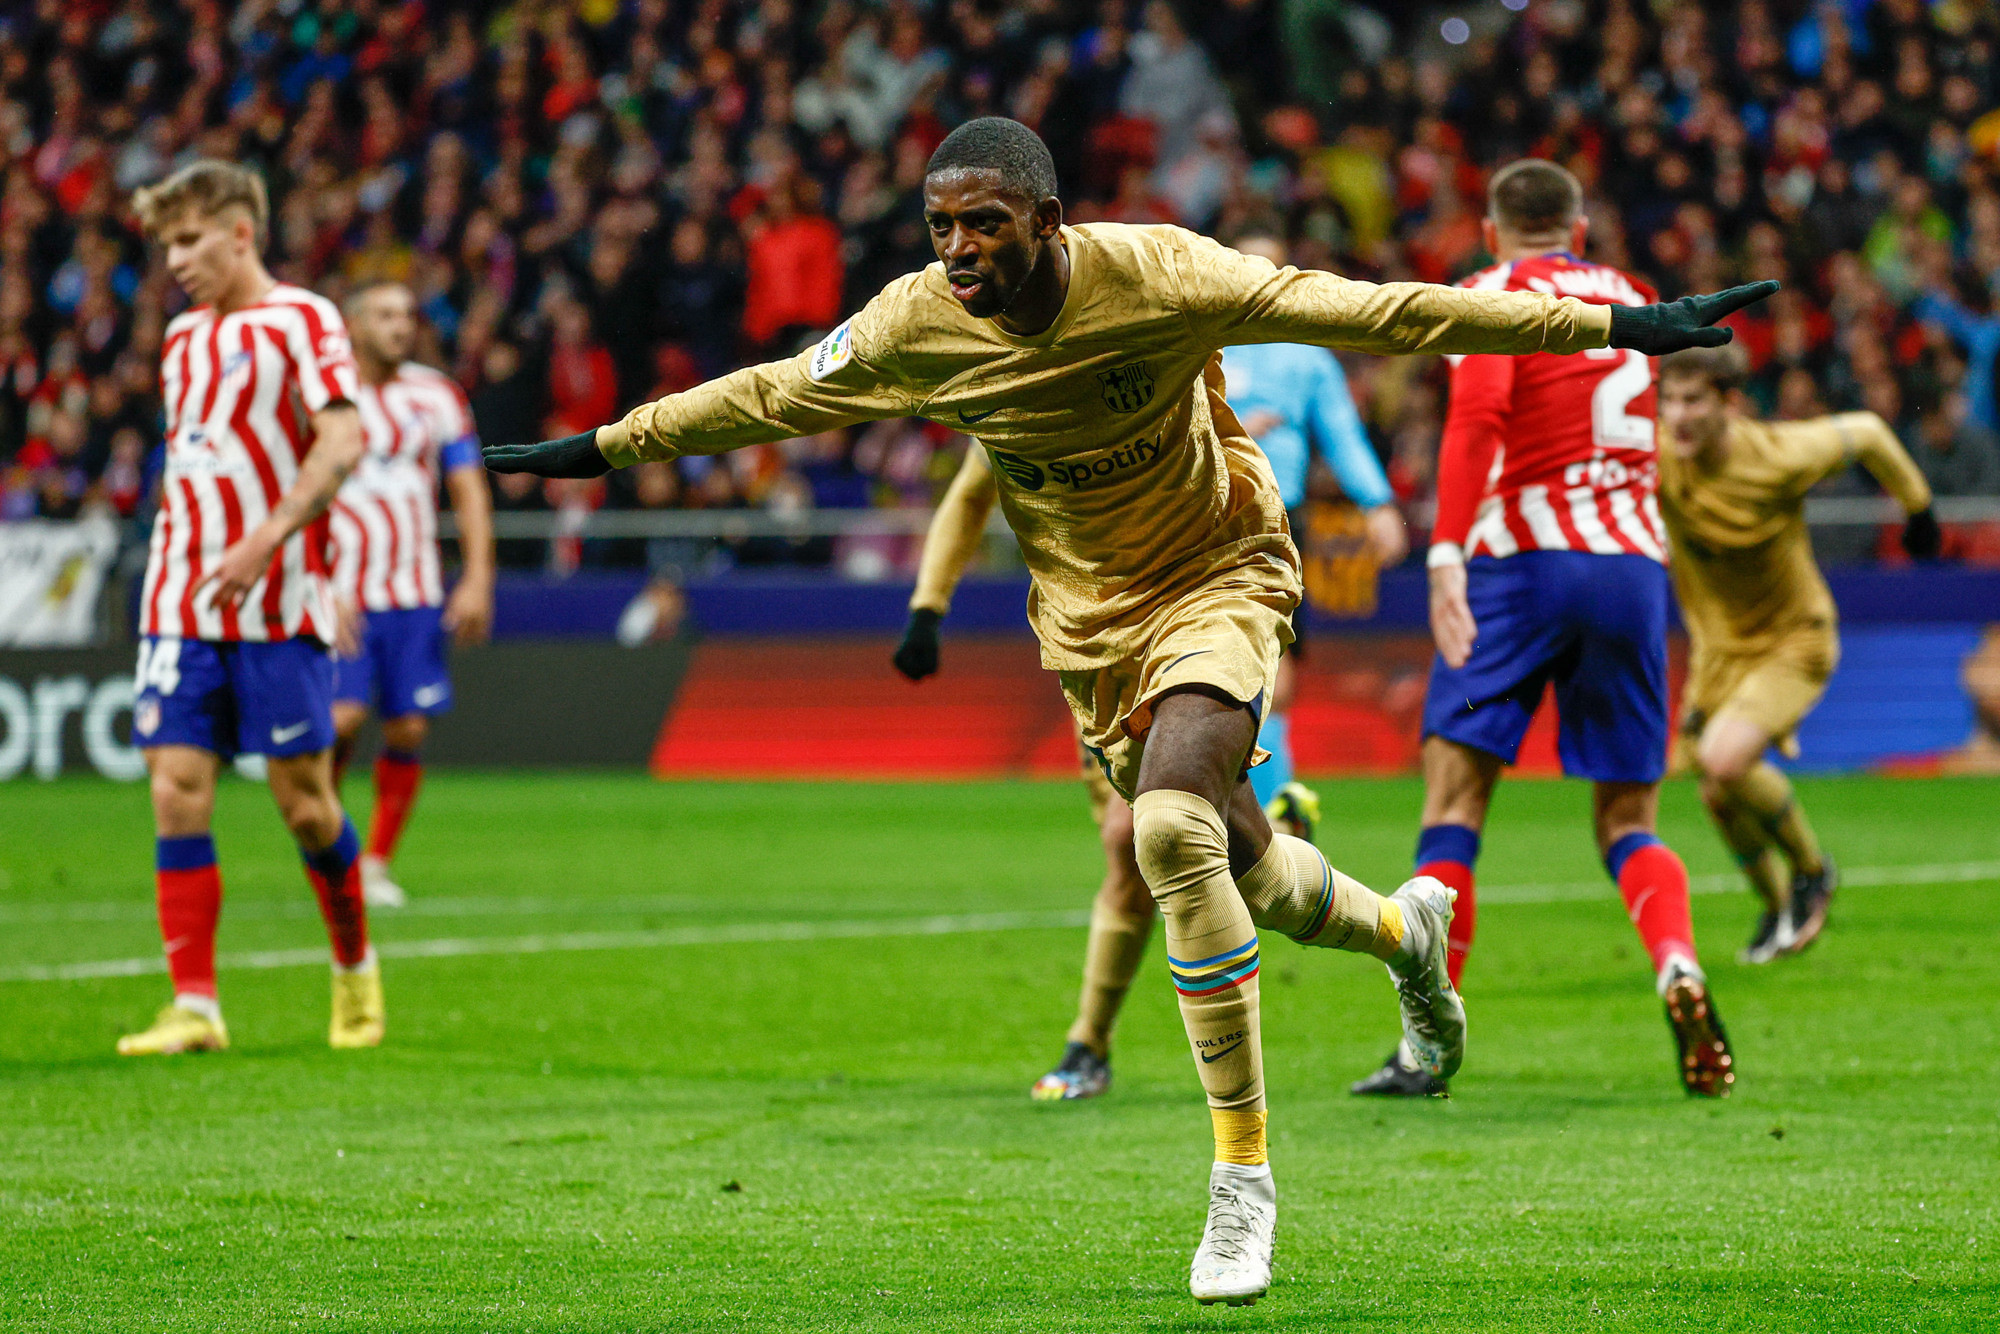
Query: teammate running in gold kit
[
  {"x": 1760, "y": 619},
  {"x": 1121, "y": 916},
  {"x": 1164, "y": 578}
]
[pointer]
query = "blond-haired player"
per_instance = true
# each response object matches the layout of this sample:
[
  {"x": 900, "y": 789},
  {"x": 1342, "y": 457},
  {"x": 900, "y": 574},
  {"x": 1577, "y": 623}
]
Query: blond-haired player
[
  {"x": 1164, "y": 580},
  {"x": 1760, "y": 619},
  {"x": 1121, "y": 916},
  {"x": 235, "y": 617}
]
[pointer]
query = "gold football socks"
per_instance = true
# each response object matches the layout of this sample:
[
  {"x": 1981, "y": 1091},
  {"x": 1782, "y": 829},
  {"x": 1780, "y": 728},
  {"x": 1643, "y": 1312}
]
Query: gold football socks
[
  {"x": 1110, "y": 960},
  {"x": 1183, "y": 851},
  {"x": 1750, "y": 842},
  {"x": 1294, "y": 890},
  {"x": 1767, "y": 793}
]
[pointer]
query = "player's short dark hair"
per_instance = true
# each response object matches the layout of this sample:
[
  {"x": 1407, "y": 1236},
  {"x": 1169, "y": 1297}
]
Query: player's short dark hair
[
  {"x": 367, "y": 288},
  {"x": 995, "y": 143},
  {"x": 1533, "y": 196},
  {"x": 1725, "y": 367}
]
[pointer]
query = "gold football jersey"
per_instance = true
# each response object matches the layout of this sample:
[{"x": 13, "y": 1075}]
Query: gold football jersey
[
  {"x": 1742, "y": 557},
  {"x": 1123, "y": 472}
]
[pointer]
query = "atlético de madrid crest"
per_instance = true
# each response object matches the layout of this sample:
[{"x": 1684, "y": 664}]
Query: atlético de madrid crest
[{"x": 1128, "y": 388}]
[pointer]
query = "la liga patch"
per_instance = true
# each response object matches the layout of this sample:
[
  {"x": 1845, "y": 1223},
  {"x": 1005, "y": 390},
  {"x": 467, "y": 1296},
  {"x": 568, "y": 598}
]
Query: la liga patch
[{"x": 834, "y": 351}]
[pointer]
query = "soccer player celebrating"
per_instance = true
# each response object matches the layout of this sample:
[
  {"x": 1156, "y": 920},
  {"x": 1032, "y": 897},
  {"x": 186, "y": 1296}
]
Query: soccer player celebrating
[
  {"x": 260, "y": 386},
  {"x": 1547, "y": 565},
  {"x": 388, "y": 577},
  {"x": 1760, "y": 620},
  {"x": 1121, "y": 916},
  {"x": 1292, "y": 398},
  {"x": 1163, "y": 578}
]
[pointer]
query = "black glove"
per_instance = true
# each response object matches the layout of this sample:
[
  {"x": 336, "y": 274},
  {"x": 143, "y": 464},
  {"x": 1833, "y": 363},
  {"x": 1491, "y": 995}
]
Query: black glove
[
  {"x": 1922, "y": 537},
  {"x": 917, "y": 656},
  {"x": 572, "y": 456},
  {"x": 1673, "y": 325}
]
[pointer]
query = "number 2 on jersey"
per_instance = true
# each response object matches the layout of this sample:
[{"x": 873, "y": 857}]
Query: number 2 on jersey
[{"x": 1612, "y": 427}]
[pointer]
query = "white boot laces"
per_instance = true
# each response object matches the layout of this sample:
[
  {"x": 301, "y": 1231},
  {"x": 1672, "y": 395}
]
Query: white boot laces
[{"x": 1230, "y": 1225}]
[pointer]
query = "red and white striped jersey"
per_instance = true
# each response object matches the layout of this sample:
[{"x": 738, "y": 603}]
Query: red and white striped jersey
[
  {"x": 385, "y": 519},
  {"x": 240, "y": 392},
  {"x": 1552, "y": 453}
]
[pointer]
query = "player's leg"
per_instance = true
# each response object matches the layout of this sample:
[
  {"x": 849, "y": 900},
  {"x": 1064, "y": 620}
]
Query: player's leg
[
  {"x": 1611, "y": 700},
  {"x": 1188, "y": 775},
  {"x": 399, "y": 773},
  {"x": 1747, "y": 836},
  {"x": 413, "y": 686},
  {"x": 1121, "y": 920},
  {"x": 1292, "y": 806},
  {"x": 1653, "y": 882},
  {"x": 284, "y": 696},
  {"x": 1458, "y": 789},
  {"x": 184, "y": 719},
  {"x": 302, "y": 786},
  {"x": 1291, "y": 887},
  {"x": 348, "y": 717},
  {"x": 353, "y": 702},
  {"x": 188, "y": 888},
  {"x": 1194, "y": 857},
  {"x": 1731, "y": 757},
  {"x": 1475, "y": 718}
]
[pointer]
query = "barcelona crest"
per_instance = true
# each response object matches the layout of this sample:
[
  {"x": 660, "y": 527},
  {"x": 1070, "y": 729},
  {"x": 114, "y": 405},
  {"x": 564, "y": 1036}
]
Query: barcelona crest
[{"x": 1128, "y": 388}]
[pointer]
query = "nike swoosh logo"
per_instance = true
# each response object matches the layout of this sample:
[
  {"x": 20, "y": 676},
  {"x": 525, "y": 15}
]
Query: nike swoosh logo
[
  {"x": 1183, "y": 658},
  {"x": 280, "y": 735},
  {"x": 969, "y": 418},
  {"x": 425, "y": 696},
  {"x": 1208, "y": 1059}
]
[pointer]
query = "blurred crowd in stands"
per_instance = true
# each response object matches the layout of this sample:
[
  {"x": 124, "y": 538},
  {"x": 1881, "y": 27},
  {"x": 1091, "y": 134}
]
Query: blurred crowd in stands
[{"x": 605, "y": 200}]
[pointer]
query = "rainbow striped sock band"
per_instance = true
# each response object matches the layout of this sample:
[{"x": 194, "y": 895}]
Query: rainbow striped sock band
[
  {"x": 1321, "y": 910},
  {"x": 1219, "y": 972}
]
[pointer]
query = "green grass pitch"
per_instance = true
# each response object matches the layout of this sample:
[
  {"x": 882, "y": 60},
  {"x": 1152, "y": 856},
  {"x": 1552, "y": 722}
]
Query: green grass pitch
[{"x": 832, "y": 1132}]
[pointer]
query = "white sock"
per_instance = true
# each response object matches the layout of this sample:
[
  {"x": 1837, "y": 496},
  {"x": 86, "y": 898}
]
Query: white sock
[
  {"x": 1678, "y": 965},
  {"x": 367, "y": 964},
  {"x": 206, "y": 1006},
  {"x": 1240, "y": 1171}
]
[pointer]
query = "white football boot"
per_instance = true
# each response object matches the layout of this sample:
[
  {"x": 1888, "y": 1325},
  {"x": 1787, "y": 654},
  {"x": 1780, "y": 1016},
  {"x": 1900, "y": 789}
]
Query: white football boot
[
  {"x": 1433, "y": 1015},
  {"x": 1233, "y": 1262},
  {"x": 377, "y": 889}
]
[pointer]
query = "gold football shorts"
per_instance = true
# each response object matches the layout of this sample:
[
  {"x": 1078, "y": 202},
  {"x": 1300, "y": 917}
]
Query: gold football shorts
[
  {"x": 1094, "y": 782},
  {"x": 1226, "y": 635},
  {"x": 1773, "y": 689}
]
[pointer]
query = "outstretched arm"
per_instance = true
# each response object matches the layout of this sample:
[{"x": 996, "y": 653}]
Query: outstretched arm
[
  {"x": 949, "y": 546},
  {"x": 845, "y": 379},
  {"x": 1831, "y": 443},
  {"x": 1230, "y": 297}
]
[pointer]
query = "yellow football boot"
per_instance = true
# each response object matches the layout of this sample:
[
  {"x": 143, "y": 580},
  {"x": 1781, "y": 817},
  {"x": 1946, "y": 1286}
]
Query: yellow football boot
[
  {"x": 358, "y": 1016},
  {"x": 176, "y": 1030}
]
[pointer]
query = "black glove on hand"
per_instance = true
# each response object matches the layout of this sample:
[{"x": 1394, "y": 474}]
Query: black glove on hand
[
  {"x": 917, "y": 656},
  {"x": 1673, "y": 325},
  {"x": 1922, "y": 537},
  {"x": 572, "y": 456}
]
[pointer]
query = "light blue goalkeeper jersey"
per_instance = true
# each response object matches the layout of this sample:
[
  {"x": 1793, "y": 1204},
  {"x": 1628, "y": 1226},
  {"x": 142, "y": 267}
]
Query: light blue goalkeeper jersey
[{"x": 1305, "y": 386}]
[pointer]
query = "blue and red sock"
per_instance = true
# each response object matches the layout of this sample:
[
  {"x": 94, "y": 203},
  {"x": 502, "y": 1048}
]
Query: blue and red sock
[
  {"x": 1653, "y": 881},
  {"x": 335, "y": 873},
  {"x": 188, "y": 885},
  {"x": 1449, "y": 852},
  {"x": 398, "y": 775}
]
